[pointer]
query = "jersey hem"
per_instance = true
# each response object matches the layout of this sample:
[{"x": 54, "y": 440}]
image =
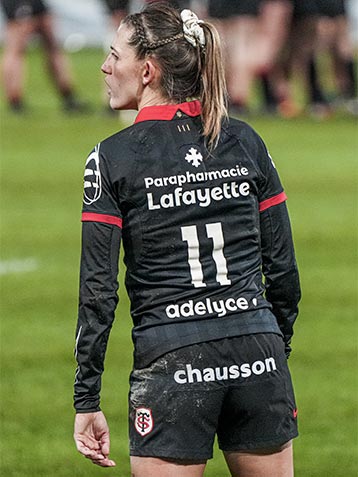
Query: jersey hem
[{"x": 264, "y": 323}]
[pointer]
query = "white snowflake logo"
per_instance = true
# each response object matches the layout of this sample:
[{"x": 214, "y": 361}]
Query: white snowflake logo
[{"x": 194, "y": 157}]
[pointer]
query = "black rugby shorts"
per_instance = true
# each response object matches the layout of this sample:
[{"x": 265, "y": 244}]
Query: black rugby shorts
[
  {"x": 305, "y": 8},
  {"x": 18, "y": 9},
  {"x": 114, "y": 5},
  {"x": 331, "y": 8},
  {"x": 236, "y": 388},
  {"x": 229, "y": 8}
]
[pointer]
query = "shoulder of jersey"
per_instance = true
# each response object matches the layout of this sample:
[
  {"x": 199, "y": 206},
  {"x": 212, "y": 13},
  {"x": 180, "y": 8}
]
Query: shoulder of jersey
[
  {"x": 240, "y": 129},
  {"x": 237, "y": 125},
  {"x": 125, "y": 140}
]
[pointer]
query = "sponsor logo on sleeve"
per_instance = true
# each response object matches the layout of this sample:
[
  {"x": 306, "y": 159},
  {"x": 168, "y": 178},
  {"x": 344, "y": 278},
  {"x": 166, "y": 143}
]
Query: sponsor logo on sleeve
[{"x": 92, "y": 178}]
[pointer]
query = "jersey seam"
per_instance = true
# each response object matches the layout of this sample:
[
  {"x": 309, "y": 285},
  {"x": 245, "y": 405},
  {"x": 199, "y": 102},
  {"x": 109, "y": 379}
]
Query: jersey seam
[{"x": 247, "y": 153}]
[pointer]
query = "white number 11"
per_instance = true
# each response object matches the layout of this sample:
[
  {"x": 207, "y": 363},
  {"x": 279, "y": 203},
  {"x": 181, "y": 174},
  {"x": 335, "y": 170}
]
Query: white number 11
[{"x": 213, "y": 231}]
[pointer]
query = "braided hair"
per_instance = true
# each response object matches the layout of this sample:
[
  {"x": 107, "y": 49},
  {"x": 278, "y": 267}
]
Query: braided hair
[{"x": 143, "y": 40}]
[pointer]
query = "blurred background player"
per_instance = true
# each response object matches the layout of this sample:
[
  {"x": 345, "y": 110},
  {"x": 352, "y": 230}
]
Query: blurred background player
[
  {"x": 274, "y": 26},
  {"x": 237, "y": 23},
  {"x": 335, "y": 45},
  {"x": 292, "y": 63},
  {"x": 23, "y": 19}
]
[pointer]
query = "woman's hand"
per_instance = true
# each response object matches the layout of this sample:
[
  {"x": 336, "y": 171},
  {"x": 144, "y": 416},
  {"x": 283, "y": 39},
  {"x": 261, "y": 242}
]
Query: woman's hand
[{"x": 91, "y": 436}]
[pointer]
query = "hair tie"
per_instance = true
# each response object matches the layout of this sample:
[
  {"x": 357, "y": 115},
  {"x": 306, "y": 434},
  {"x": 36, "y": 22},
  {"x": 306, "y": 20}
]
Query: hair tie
[{"x": 193, "y": 32}]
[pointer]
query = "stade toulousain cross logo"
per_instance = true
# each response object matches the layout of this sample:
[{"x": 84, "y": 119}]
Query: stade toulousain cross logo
[
  {"x": 92, "y": 179},
  {"x": 143, "y": 421}
]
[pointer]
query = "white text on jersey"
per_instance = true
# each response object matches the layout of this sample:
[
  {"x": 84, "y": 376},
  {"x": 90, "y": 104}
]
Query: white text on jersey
[{"x": 203, "y": 197}]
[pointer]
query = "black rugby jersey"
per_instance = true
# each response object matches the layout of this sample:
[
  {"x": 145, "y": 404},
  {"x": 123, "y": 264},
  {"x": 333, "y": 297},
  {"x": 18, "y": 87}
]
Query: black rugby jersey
[{"x": 199, "y": 230}]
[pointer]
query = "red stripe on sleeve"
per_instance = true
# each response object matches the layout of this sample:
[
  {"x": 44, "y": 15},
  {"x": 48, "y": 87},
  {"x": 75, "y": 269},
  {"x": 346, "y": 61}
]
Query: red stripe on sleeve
[
  {"x": 104, "y": 219},
  {"x": 277, "y": 199}
]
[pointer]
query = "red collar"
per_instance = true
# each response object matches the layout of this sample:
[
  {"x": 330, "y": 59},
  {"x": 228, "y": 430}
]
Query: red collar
[{"x": 166, "y": 112}]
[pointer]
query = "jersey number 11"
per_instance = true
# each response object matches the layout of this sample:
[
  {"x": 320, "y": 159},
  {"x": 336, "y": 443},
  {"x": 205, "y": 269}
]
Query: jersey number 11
[{"x": 214, "y": 231}]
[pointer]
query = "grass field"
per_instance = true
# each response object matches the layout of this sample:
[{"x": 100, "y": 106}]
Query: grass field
[{"x": 42, "y": 159}]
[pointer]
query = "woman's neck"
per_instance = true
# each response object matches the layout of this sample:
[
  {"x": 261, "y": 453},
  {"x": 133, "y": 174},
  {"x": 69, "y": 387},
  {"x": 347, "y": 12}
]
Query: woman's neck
[{"x": 152, "y": 98}]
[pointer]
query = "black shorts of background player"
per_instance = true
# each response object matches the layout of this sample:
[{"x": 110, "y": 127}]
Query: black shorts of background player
[
  {"x": 335, "y": 45},
  {"x": 23, "y": 19},
  {"x": 237, "y": 23},
  {"x": 228, "y": 8},
  {"x": 117, "y": 9},
  {"x": 296, "y": 56},
  {"x": 179, "y": 4},
  {"x": 197, "y": 202}
]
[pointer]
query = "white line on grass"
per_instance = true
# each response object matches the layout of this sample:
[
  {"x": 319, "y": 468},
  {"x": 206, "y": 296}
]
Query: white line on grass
[{"x": 18, "y": 265}]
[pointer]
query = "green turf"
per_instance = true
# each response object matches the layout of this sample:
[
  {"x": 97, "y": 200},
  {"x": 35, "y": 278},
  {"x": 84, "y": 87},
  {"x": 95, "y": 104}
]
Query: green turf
[{"x": 42, "y": 159}]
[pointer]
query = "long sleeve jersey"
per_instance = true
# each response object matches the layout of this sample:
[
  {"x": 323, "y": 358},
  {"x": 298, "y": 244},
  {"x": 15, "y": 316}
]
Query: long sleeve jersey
[{"x": 207, "y": 241}]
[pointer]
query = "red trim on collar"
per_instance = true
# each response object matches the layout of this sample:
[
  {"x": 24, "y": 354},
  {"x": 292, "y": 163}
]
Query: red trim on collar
[{"x": 166, "y": 112}]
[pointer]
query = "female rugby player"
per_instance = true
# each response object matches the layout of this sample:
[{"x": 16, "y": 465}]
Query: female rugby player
[
  {"x": 23, "y": 19},
  {"x": 197, "y": 201}
]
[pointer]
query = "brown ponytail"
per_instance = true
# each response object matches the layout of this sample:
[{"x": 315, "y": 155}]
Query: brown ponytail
[{"x": 213, "y": 95}]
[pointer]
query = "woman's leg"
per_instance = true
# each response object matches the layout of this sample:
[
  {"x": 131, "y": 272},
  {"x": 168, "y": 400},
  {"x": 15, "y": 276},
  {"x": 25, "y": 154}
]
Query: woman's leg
[
  {"x": 153, "y": 467},
  {"x": 276, "y": 462},
  {"x": 13, "y": 65}
]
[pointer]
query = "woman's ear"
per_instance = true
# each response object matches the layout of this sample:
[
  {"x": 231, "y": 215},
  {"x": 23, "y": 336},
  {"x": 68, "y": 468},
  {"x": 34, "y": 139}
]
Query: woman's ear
[{"x": 150, "y": 72}]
